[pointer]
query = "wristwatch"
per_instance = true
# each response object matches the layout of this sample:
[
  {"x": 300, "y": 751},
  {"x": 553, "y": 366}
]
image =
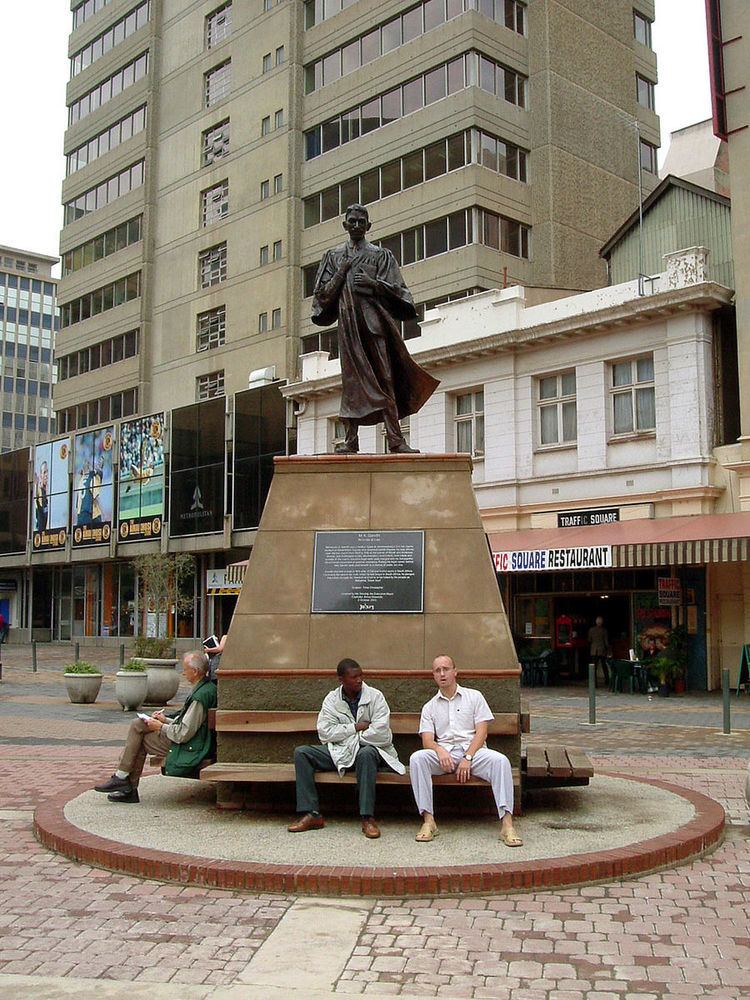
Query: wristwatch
[{"x": 469, "y": 757}]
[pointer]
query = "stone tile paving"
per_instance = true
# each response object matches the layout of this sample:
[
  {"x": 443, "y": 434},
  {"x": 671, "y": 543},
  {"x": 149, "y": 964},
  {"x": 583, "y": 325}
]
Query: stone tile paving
[{"x": 682, "y": 933}]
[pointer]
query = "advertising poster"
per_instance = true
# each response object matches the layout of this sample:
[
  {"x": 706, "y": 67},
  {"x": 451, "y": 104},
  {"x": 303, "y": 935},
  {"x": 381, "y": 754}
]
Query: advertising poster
[
  {"x": 652, "y": 624},
  {"x": 93, "y": 487},
  {"x": 49, "y": 496},
  {"x": 197, "y": 475},
  {"x": 140, "y": 509}
]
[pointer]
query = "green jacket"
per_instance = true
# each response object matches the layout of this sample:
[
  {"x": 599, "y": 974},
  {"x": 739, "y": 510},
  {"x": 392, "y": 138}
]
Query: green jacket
[{"x": 183, "y": 759}]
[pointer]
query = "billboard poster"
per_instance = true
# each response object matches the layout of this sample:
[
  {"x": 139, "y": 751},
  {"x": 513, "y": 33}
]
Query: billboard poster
[
  {"x": 140, "y": 507},
  {"x": 197, "y": 474},
  {"x": 93, "y": 487},
  {"x": 49, "y": 498}
]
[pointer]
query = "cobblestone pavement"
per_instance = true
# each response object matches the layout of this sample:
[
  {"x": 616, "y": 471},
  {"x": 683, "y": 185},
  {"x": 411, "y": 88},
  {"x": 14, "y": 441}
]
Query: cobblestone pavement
[{"x": 680, "y": 933}]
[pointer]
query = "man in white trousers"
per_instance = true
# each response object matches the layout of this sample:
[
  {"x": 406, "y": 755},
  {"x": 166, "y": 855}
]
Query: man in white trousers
[{"x": 453, "y": 728}]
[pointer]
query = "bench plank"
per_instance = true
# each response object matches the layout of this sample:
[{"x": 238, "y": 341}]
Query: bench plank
[
  {"x": 402, "y": 723},
  {"x": 247, "y": 773},
  {"x": 536, "y": 762},
  {"x": 559, "y": 765},
  {"x": 580, "y": 765}
]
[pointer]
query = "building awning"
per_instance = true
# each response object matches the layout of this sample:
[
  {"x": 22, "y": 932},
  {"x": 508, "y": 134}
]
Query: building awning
[{"x": 665, "y": 541}]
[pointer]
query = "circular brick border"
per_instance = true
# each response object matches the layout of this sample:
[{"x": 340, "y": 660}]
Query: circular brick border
[{"x": 701, "y": 834}]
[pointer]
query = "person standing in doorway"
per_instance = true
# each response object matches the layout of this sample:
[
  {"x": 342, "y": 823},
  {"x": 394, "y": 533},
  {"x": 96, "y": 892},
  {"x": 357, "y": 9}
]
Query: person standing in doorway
[{"x": 599, "y": 647}]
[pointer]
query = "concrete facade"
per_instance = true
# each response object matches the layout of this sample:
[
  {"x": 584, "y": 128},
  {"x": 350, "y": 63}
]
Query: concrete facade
[{"x": 569, "y": 69}]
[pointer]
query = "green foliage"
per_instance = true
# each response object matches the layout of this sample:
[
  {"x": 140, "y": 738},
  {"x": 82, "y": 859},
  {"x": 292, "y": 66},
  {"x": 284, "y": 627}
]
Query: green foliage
[
  {"x": 81, "y": 667},
  {"x": 162, "y": 577},
  {"x": 134, "y": 667},
  {"x": 151, "y": 648},
  {"x": 671, "y": 663}
]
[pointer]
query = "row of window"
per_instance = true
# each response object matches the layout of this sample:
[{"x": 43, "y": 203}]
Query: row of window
[
  {"x": 98, "y": 411},
  {"x": 31, "y": 423},
  {"x": 23, "y": 317},
  {"x": 278, "y": 122},
  {"x": 320, "y": 10},
  {"x": 270, "y": 252},
  {"x": 269, "y": 62},
  {"x": 217, "y": 83},
  {"x": 100, "y": 300},
  {"x": 470, "y": 146},
  {"x": 467, "y": 70},
  {"x": 25, "y": 387},
  {"x": 110, "y": 138},
  {"x": 30, "y": 353},
  {"x": 20, "y": 265},
  {"x": 103, "y": 92},
  {"x": 470, "y": 225},
  {"x": 116, "y": 33},
  {"x": 265, "y": 186},
  {"x": 105, "y": 193},
  {"x": 26, "y": 284},
  {"x": 103, "y": 245},
  {"x": 401, "y": 30},
  {"x": 90, "y": 359},
  {"x": 218, "y": 25},
  {"x": 85, "y": 10}
]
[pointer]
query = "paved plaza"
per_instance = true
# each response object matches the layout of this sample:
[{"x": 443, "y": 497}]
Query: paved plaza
[{"x": 71, "y": 930}]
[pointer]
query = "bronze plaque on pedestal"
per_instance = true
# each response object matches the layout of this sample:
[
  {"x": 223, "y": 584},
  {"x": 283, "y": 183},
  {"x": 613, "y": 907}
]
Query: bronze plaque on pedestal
[{"x": 361, "y": 572}]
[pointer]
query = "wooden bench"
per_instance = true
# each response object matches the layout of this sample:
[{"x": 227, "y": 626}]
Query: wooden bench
[{"x": 554, "y": 767}]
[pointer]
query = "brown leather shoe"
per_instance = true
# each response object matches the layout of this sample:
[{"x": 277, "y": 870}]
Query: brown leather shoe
[
  {"x": 370, "y": 828},
  {"x": 307, "y": 822}
]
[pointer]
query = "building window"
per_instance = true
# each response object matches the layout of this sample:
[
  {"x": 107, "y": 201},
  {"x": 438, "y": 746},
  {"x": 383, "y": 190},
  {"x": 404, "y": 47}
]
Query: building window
[
  {"x": 208, "y": 386},
  {"x": 218, "y": 25},
  {"x": 96, "y": 411},
  {"x": 469, "y": 421},
  {"x": 215, "y": 203},
  {"x": 267, "y": 64},
  {"x": 105, "y": 193},
  {"x": 109, "y": 88},
  {"x": 277, "y": 250},
  {"x": 642, "y": 28},
  {"x": 336, "y": 432},
  {"x": 215, "y": 143},
  {"x": 263, "y": 255},
  {"x": 279, "y": 55},
  {"x": 265, "y": 190},
  {"x": 645, "y": 92},
  {"x": 212, "y": 266},
  {"x": 265, "y": 125},
  {"x": 263, "y": 322},
  {"x": 276, "y": 319},
  {"x": 107, "y": 140},
  {"x": 469, "y": 69},
  {"x": 278, "y": 118},
  {"x": 557, "y": 408},
  {"x": 101, "y": 300},
  {"x": 115, "y": 34},
  {"x": 633, "y": 396},
  {"x": 217, "y": 83},
  {"x": 648, "y": 157},
  {"x": 103, "y": 245},
  {"x": 278, "y": 183},
  {"x": 211, "y": 329}
]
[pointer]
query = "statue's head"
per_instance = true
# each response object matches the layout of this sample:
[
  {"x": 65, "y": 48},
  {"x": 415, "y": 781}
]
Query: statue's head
[{"x": 356, "y": 221}]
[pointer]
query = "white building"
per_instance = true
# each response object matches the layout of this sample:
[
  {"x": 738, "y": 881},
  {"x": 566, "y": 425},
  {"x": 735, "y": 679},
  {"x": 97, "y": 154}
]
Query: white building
[{"x": 593, "y": 423}]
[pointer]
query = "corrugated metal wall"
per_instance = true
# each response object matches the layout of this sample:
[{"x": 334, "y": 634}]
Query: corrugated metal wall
[{"x": 680, "y": 219}]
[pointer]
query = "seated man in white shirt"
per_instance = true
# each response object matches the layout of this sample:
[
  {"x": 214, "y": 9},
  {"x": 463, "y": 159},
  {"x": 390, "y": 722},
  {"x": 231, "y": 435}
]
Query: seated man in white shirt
[{"x": 453, "y": 728}]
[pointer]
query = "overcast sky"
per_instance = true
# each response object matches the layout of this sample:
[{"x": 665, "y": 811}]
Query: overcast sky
[{"x": 34, "y": 71}]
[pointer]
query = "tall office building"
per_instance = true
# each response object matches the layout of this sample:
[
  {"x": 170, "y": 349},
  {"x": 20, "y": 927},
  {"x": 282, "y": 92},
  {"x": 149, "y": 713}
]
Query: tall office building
[
  {"x": 28, "y": 319},
  {"x": 212, "y": 148}
]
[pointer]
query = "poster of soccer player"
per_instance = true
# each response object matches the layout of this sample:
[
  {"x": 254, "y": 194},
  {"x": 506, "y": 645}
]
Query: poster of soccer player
[
  {"x": 141, "y": 488},
  {"x": 49, "y": 497},
  {"x": 93, "y": 487}
]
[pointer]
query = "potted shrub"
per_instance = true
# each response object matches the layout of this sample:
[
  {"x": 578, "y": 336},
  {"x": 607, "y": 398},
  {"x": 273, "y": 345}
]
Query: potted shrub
[
  {"x": 82, "y": 681},
  {"x": 131, "y": 684},
  {"x": 671, "y": 664},
  {"x": 162, "y": 678}
]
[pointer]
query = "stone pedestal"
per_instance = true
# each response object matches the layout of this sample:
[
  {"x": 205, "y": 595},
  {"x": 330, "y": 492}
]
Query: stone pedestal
[{"x": 281, "y": 657}]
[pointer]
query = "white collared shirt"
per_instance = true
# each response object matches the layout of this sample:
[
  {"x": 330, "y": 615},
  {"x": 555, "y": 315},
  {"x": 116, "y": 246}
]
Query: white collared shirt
[{"x": 453, "y": 721}]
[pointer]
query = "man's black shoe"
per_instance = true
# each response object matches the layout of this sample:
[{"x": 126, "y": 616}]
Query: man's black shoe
[
  {"x": 114, "y": 784},
  {"x": 123, "y": 795}
]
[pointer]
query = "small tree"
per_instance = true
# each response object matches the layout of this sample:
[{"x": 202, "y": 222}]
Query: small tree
[{"x": 161, "y": 576}]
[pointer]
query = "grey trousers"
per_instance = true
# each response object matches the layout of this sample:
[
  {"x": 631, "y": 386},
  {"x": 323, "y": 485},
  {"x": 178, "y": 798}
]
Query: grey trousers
[
  {"x": 139, "y": 743},
  {"x": 309, "y": 759},
  {"x": 489, "y": 765}
]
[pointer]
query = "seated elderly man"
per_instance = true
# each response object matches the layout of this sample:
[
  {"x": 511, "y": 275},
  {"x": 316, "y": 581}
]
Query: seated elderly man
[{"x": 184, "y": 738}]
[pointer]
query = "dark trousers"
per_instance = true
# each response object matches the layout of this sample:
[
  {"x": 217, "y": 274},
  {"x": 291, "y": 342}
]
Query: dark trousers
[
  {"x": 600, "y": 658},
  {"x": 309, "y": 759}
]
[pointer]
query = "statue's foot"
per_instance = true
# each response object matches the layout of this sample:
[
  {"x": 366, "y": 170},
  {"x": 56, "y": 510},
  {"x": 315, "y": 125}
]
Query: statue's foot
[
  {"x": 342, "y": 448},
  {"x": 403, "y": 449}
]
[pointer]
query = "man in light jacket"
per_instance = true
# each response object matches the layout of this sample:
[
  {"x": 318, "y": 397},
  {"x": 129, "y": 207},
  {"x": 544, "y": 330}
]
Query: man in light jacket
[{"x": 354, "y": 728}]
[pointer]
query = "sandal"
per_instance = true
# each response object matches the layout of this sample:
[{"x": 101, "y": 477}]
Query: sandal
[
  {"x": 426, "y": 833},
  {"x": 511, "y": 839}
]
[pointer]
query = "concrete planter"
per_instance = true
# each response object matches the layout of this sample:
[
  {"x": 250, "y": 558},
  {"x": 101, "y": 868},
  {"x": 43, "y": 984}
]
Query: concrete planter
[
  {"x": 131, "y": 688},
  {"x": 83, "y": 689},
  {"x": 163, "y": 680}
]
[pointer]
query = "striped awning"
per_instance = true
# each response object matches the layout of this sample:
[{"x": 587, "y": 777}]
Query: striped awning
[{"x": 664, "y": 541}]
